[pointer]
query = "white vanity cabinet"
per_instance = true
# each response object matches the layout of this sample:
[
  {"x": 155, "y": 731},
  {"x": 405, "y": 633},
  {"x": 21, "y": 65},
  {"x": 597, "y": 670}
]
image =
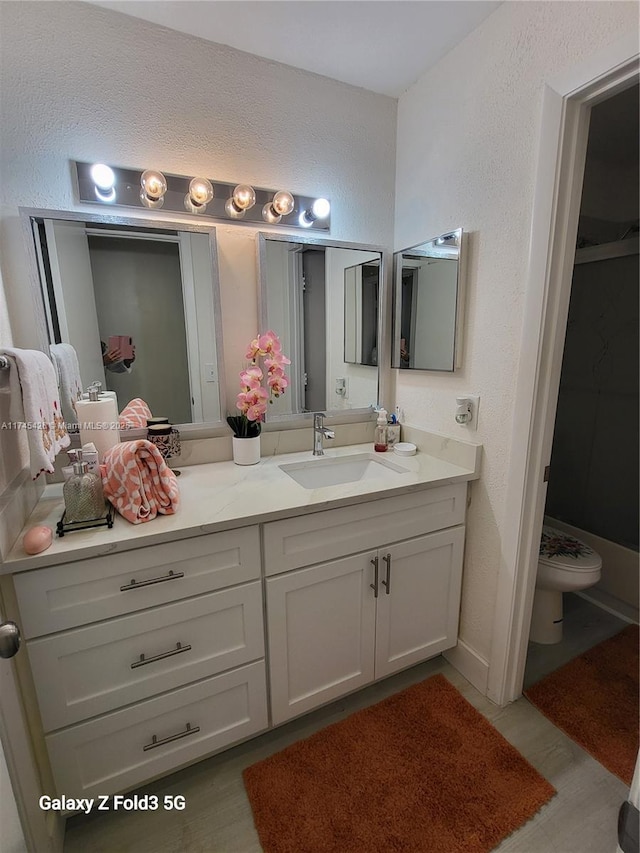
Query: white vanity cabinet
[
  {"x": 146, "y": 660},
  {"x": 339, "y": 624}
]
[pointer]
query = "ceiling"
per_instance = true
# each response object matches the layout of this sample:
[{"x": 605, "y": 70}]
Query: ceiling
[{"x": 381, "y": 45}]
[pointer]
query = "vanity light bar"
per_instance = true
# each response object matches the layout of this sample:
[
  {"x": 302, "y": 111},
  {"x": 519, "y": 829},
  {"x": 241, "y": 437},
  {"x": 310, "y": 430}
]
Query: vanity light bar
[{"x": 150, "y": 189}]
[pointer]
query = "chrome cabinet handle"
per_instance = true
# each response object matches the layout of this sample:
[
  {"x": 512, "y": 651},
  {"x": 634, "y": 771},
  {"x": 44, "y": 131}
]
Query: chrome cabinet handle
[
  {"x": 374, "y": 585},
  {"x": 177, "y": 651},
  {"x": 387, "y": 583},
  {"x": 172, "y": 576},
  {"x": 155, "y": 742}
]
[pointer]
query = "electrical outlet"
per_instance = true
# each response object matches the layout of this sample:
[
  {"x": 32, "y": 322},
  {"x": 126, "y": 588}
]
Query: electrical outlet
[
  {"x": 342, "y": 386},
  {"x": 467, "y": 408}
]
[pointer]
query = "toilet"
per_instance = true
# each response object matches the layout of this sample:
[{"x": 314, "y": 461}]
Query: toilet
[{"x": 565, "y": 564}]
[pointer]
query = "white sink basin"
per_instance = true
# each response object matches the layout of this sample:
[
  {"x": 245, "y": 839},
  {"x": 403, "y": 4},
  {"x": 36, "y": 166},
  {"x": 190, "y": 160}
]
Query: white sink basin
[{"x": 325, "y": 471}]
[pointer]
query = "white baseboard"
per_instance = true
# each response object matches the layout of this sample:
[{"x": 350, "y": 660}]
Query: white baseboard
[
  {"x": 612, "y": 605},
  {"x": 470, "y": 665}
]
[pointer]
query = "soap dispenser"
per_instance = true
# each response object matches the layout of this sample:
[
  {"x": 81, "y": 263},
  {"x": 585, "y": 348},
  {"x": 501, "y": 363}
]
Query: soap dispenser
[
  {"x": 380, "y": 435},
  {"x": 83, "y": 495}
]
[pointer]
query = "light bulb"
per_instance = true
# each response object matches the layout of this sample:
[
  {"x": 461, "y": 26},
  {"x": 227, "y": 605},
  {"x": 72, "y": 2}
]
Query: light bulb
[
  {"x": 244, "y": 196},
  {"x": 269, "y": 215},
  {"x": 191, "y": 207},
  {"x": 232, "y": 211},
  {"x": 321, "y": 208},
  {"x": 200, "y": 191},
  {"x": 151, "y": 203},
  {"x": 154, "y": 184},
  {"x": 283, "y": 202},
  {"x": 103, "y": 177}
]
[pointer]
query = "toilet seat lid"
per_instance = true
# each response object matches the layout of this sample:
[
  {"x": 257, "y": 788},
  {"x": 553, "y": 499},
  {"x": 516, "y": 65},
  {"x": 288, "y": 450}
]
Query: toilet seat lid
[{"x": 557, "y": 548}]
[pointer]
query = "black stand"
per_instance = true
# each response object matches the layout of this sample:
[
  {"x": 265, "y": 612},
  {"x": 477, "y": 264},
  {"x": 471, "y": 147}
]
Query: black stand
[{"x": 105, "y": 520}]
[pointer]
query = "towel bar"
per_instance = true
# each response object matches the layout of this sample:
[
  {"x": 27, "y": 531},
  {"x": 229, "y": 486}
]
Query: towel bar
[{"x": 4, "y": 362}]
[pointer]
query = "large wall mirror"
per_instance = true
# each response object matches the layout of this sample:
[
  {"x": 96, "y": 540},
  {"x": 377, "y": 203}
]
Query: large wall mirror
[
  {"x": 154, "y": 285},
  {"x": 323, "y": 299},
  {"x": 428, "y": 304}
]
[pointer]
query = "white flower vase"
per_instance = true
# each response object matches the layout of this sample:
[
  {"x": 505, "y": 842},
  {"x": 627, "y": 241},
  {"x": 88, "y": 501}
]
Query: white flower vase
[{"x": 246, "y": 451}]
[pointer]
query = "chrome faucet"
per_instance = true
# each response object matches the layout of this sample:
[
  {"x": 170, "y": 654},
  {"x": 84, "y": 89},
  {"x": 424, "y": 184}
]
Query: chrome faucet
[{"x": 320, "y": 432}]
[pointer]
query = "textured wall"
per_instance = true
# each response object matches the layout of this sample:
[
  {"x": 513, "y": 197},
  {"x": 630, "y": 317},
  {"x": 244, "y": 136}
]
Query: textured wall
[
  {"x": 467, "y": 143},
  {"x": 84, "y": 83}
]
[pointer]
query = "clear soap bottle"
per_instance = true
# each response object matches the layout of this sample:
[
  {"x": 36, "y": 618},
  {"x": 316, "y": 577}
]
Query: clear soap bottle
[
  {"x": 380, "y": 435},
  {"x": 82, "y": 493}
]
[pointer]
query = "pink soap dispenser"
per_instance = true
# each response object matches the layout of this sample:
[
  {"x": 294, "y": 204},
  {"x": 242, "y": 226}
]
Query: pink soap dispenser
[{"x": 380, "y": 435}]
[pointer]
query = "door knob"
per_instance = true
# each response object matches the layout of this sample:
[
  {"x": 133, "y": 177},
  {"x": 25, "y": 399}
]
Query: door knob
[{"x": 9, "y": 639}]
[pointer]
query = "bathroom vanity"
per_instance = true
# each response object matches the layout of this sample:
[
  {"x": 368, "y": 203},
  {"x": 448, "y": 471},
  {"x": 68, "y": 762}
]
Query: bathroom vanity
[{"x": 152, "y": 646}]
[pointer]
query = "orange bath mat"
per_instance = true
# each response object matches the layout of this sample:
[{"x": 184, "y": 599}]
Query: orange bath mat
[
  {"x": 421, "y": 771},
  {"x": 594, "y": 700}
]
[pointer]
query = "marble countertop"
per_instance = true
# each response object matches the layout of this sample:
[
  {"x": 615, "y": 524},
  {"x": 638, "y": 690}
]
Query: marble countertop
[{"x": 222, "y": 495}]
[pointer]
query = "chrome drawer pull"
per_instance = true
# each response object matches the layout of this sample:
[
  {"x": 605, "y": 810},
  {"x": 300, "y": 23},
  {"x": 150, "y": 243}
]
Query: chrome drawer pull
[
  {"x": 387, "y": 582},
  {"x": 374, "y": 585},
  {"x": 172, "y": 576},
  {"x": 155, "y": 742},
  {"x": 144, "y": 661}
]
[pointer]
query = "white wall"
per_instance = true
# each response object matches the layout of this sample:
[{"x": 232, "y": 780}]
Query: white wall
[
  {"x": 85, "y": 83},
  {"x": 466, "y": 151}
]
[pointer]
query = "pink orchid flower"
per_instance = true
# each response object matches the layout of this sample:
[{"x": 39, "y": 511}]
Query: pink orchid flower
[
  {"x": 269, "y": 342},
  {"x": 278, "y": 384},
  {"x": 253, "y": 398},
  {"x": 253, "y": 350},
  {"x": 253, "y": 403},
  {"x": 276, "y": 360},
  {"x": 251, "y": 378}
]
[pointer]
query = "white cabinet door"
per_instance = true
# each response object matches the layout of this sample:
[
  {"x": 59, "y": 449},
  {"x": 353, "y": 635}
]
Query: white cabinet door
[
  {"x": 419, "y": 598},
  {"x": 321, "y": 634}
]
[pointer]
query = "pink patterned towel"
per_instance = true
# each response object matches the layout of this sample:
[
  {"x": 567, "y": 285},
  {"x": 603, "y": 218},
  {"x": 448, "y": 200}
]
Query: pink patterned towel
[
  {"x": 135, "y": 414},
  {"x": 138, "y": 481}
]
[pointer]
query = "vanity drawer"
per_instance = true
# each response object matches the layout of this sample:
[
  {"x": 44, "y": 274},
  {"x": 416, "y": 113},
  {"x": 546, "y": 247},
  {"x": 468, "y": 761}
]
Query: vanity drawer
[
  {"x": 89, "y": 671},
  {"x": 323, "y": 536},
  {"x": 117, "y": 751},
  {"x": 60, "y": 597}
]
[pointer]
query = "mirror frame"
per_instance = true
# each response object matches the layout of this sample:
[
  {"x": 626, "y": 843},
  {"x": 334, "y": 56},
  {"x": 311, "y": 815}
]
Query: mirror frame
[
  {"x": 27, "y": 214},
  {"x": 384, "y": 315},
  {"x": 461, "y": 238}
]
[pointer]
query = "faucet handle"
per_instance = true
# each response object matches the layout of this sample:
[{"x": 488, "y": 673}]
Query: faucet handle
[{"x": 318, "y": 416}]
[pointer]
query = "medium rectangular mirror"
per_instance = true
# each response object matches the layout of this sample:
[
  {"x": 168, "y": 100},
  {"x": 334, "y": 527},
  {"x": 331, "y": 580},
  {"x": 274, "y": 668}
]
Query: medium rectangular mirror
[
  {"x": 428, "y": 304},
  {"x": 321, "y": 297},
  {"x": 155, "y": 283}
]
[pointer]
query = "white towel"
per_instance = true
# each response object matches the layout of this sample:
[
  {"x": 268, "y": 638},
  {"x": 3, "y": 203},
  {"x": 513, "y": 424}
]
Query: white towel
[
  {"x": 35, "y": 403},
  {"x": 65, "y": 361}
]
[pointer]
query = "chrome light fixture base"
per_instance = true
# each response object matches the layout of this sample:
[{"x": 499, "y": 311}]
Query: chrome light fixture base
[{"x": 278, "y": 208}]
